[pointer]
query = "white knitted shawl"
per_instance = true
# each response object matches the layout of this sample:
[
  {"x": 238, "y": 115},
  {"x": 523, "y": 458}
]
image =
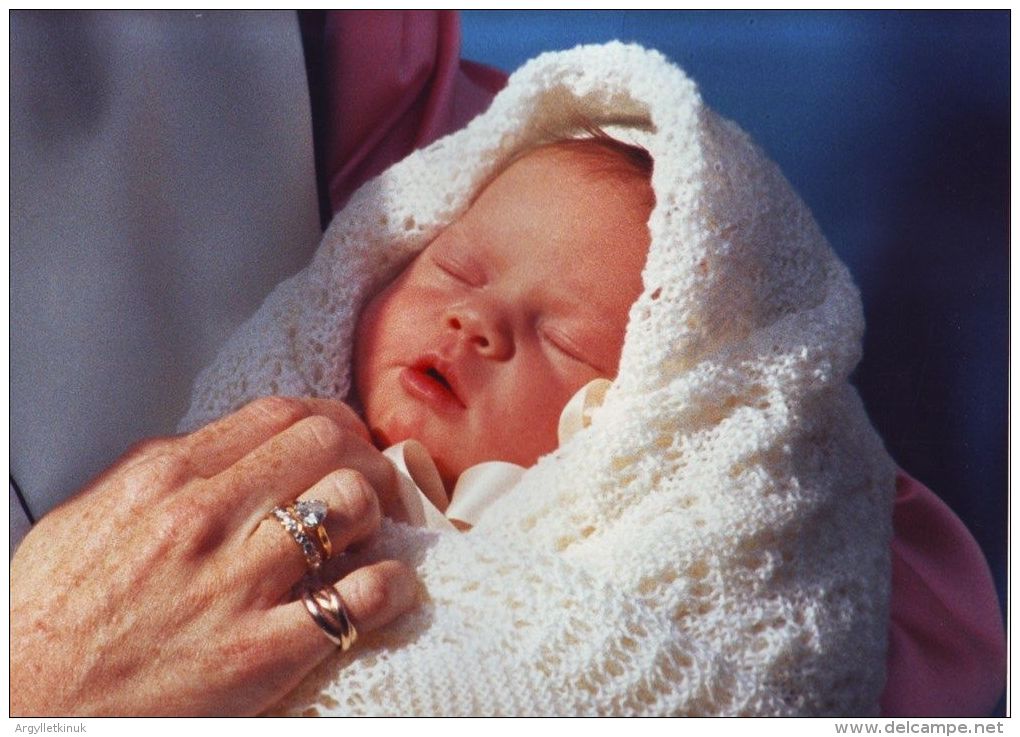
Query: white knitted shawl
[{"x": 716, "y": 542}]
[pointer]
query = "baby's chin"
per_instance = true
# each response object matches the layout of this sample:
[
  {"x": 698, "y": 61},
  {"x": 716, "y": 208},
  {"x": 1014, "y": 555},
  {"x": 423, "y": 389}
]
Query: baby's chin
[
  {"x": 446, "y": 446},
  {"x": 451, "y": 467}
]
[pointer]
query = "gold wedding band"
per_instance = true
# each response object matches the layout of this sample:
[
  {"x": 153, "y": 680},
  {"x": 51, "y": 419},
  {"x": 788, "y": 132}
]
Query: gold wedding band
[
  {"x": 299, "y": 520},
  {"x": 328, "y": 611}
]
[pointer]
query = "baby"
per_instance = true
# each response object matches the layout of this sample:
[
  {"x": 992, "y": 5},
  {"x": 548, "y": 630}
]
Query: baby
[
  {"x": 477, "y": 346},
  {"x": 718, "y": 538}
]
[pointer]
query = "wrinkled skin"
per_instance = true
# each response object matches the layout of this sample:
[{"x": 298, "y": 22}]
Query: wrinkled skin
[{"x": 163, "y": 589}]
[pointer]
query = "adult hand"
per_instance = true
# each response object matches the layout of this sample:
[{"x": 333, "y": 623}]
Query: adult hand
[{"x": 163, "y": 588}]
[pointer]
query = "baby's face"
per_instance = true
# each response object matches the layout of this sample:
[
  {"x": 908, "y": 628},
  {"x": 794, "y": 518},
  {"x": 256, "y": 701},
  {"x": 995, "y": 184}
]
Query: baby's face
[{"x": 475, "y": 348}]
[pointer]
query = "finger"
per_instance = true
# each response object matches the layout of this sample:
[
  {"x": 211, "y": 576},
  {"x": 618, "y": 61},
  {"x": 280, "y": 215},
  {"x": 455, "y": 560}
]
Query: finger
[
  {"x": 373, "y": 597},
  {"x": 274, "y": 558},
  {"x": 222, "y": 443},
  {"x": 285, "y": 466}
]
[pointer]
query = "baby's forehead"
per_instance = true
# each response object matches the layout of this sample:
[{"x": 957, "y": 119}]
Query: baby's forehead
[
  {"x": 591, "y": 157},
  {"x": 619, "y": 169}
]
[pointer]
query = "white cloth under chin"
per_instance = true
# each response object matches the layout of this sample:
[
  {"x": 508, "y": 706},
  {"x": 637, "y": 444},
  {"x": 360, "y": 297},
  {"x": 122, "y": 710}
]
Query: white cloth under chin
[{"x": 421, "y": 489}]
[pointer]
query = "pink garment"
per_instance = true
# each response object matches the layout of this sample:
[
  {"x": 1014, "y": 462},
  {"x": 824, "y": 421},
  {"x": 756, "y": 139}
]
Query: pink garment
[
  {"x": 947, "y": 646},
  {"x": 397, "y": 83}
]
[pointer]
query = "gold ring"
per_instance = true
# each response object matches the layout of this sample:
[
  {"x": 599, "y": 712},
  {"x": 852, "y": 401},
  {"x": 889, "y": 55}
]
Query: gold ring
[{"x": 328, "y": 611}]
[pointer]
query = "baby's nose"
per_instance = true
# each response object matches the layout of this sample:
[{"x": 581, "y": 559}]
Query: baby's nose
[{"x": 487, "y": 334}]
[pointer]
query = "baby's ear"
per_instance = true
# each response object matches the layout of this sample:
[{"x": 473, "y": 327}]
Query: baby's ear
[{"x": 577, "y": 414}]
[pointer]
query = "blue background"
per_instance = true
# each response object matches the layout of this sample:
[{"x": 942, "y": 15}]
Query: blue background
[{"x": 894, "y": 128}]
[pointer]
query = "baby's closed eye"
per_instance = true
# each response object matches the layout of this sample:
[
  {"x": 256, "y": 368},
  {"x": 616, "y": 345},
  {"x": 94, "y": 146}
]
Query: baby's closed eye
[
  {"x": 459, "y": 269},
  {"x": 568, "y": 345}
]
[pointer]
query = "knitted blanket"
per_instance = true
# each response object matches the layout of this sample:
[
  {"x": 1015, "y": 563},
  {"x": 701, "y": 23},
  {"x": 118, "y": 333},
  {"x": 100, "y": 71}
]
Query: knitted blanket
[{"x": 717, "y": 540}]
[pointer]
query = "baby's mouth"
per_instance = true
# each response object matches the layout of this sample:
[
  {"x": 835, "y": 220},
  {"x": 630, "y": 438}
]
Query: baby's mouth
[
  {"x": 428, "y": 381},
  {"x": 433, "y": 373}
]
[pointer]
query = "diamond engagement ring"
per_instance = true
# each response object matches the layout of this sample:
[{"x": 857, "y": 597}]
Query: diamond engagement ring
[
  {"x": 302, "y": 520},
  {"x": 328, "y": 611},
  {"x": 311, "y": 514}
]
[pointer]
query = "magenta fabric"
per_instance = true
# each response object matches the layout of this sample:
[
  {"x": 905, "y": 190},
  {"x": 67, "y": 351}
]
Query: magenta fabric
[
  {"x": 397, "y": 83},
  {"x": 947, "y": 645}
]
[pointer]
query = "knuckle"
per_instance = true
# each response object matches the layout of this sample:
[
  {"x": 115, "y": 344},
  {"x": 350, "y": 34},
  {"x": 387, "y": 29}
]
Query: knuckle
[
  {"x": 176, "y": 526},
  {"x": 356, "y": 496},
  {"x": 322, "y": 431},
  {"x": 278, "y": 410},
  {"x": 155, "y": 465}
]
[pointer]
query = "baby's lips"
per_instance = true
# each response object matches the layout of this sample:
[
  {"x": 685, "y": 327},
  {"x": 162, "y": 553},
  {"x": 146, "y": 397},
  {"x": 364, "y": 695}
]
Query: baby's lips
[
  {"x": 443, "y": 373},
  {"x": 436, "y": 394}
]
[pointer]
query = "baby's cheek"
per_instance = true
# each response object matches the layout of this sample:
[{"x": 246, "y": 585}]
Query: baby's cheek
[{"x": 528, "y": 433}]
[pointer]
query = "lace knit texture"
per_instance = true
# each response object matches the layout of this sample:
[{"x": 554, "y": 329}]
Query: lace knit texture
[{"x": 716, "y": 542}]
